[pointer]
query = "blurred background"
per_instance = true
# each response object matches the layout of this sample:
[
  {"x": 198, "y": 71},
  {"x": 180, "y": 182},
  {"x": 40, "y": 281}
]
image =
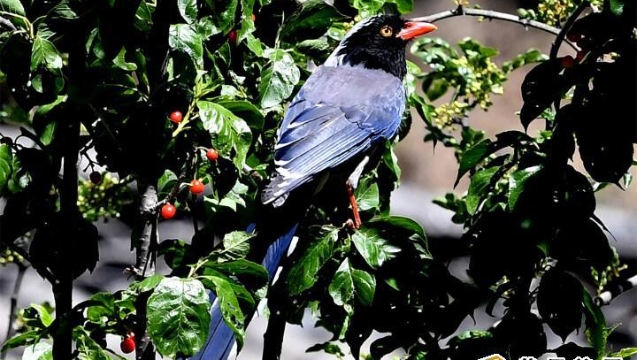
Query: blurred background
[{"x": 427, "y": 172}]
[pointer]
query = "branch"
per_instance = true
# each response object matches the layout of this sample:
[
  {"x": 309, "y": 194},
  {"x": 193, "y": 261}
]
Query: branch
[
  {"x": 491, "y": 15},
  {"x": 22, "y": 268},
  {"x": 556, "y": 47},
  {"x": 615, "y": 290},
  {"x": 8, "y": 24},
  {"x": 145, "y": 243}
]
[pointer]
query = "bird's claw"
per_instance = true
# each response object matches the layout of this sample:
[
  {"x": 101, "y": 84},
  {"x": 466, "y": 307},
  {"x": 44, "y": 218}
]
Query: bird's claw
[{"x": 353, "y": 224}]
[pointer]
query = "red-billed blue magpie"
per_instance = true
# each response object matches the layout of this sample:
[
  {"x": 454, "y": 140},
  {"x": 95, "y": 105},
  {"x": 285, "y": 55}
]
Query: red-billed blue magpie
[{"x": 348, "y": 106}]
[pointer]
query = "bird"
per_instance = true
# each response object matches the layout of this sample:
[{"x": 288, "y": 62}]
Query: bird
[{"x": 345, "y": 111}]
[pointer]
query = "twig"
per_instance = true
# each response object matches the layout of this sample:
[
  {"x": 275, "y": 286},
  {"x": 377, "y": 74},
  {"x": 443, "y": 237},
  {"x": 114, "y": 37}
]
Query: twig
[
  {"x": 145, "y": 261},
  {"x": 22, "y": 268},
  {"x": 558, "y": 43},
  {"x": 491, "y": 15},
  {"x": 616, "y": 289},
  {"x": 8, "y": 24}
]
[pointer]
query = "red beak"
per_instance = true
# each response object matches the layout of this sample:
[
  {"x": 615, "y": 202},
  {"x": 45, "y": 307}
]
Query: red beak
[{"x": 413, "y": 29}]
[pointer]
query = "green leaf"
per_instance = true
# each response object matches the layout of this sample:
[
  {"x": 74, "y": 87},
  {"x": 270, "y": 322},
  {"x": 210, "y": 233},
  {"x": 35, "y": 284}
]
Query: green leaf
[
  {"x": 166, "y": 182},
  {"x": 479, "y": 183},
  {"x": 625, "y": 353},
  {"x": 563, "y": 313},
  {"x": 240, "y": 267},
  {"x": 12, "y": 6},
  {"x": 374, "y": 249},
  {"x": 22, "y": 339},
  {"x": 178, "y": 316},
  {"x": 278, "y": 79},
  {"x": 472, "y": 157},
  {"x": 367, "y": 197},
  {"x": 402, "y": 222},
  {"x": 596, "y": 330},
  {"x": 529, "y": 57},
  {"x": 517, "y": 181},
  {"x": 435, "y": 86},
  {"x": 40, "y": 351},
  {"x": 86, "y": 347},
  {"x": 149, "y": 283},
  {"x": 236, "y": 245},
  {"x": 183, "y": 38},
  {"x": 44, "y": 54},
  {"x": 254, "y": 44},
  {"x": 44, "y": 314},
  {"x": 5, "y": 173},
  {"x": 246, "y": 111},
  {"x": 367, "y": 7},
  {"x": 229, "y": 305},
  {"x": 120, "y": 61},
  {"x": 313, "y": 19},
  {"x": 224, "y": 19},
  {"x": 404, "y": 6},
  {"x": 617, "y": 6},
  {"x": 304, "y": 273},
  {"x": 188, "y": 10},
  {"x": 349, "y": 284},
  {"x": 229, "y": 131}
]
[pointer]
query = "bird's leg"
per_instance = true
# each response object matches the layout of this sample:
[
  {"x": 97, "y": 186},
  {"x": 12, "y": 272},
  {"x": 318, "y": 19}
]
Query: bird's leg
[{"x": 352, "y": 184}]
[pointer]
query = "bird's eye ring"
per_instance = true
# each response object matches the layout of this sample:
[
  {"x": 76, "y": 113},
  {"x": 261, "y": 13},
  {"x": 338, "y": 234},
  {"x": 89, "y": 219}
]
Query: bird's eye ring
[{"x": 386, "y": 31}]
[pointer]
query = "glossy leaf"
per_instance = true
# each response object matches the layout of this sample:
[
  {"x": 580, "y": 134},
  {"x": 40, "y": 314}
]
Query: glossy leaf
[
  {"x": 44, "y": 54},
  {"x": 472, "y": 157},
  {"x": 559, "y": 302},
  {"x": 178, "y": 316},
  {"x": 617, "y": 7},
  {"x": 480, "y": 182},
  {"x": 373, "y": 248},
  {"x": 278, "y": 79},
  {"x": 12, "y": 7},
  {"x": 229, "y": 305},
  {"x": 40, "y": 351},
  {"x": 304, "y": 273},
  {"x": 236, "y": 245},
  {"x": 230, "y": 132},
  {"x": 184, "y": 38},
  {"x": 517, "y": 180},
  {"x": 311, "y": 21},
  {"x": 188, "y": 10},
  {"x": 367, "y": 197},
  {"x": 596, "y": 330},
  {"x": 349, "y": 284}
]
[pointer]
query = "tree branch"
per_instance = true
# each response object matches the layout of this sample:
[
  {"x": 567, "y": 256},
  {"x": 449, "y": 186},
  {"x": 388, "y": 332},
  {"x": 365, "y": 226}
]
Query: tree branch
[
  {"x": 8, "y": 24},
  {"x": 493, "y": 15},
  {"x": 145, "y": 243},
  {"x": 22, "y": 268},
  {"x": 616, "y": 289}
]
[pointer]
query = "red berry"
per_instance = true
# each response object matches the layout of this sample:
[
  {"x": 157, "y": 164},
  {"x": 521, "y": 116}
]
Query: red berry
[
  {"x": 212, "y": 154},
  {"x": 196, "y": 187},
  {"x": 95, "y": 177},
  {"x": 168, "y": 211},
  {"x": 232, "y": 36},
  {"x": 253, "y": 17},
  {"x": 128, "y": 345},
  {"x": 176, "y": 117},
  {"x": 568, "y": 62},
  {"x": 574, "y": 36}
]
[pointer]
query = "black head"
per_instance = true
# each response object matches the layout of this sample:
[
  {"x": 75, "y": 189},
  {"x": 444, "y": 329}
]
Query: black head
[{"x": 379, "y": 43}]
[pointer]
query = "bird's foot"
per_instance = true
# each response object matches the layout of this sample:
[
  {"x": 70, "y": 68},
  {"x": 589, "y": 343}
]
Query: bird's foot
[
  {"x": 356, "y": 222},
  {"x": 353, "y": 224}
]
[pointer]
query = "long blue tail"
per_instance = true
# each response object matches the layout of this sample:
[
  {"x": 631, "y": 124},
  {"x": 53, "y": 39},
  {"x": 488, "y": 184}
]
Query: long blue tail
[{"x": 221, "y": 339}]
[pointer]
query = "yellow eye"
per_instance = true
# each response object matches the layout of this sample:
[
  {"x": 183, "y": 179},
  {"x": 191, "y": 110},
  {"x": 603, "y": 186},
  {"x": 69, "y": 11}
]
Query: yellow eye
[{"x": 386, "y": 31}]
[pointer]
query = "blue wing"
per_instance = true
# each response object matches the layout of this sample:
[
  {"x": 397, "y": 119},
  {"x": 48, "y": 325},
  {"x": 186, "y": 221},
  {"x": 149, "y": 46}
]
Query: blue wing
[{"x": 340, "y": 112}]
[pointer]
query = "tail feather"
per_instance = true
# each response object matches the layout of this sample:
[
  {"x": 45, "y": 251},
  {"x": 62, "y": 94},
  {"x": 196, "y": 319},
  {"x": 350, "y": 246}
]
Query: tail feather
[{"x": 221, "y": 339}]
